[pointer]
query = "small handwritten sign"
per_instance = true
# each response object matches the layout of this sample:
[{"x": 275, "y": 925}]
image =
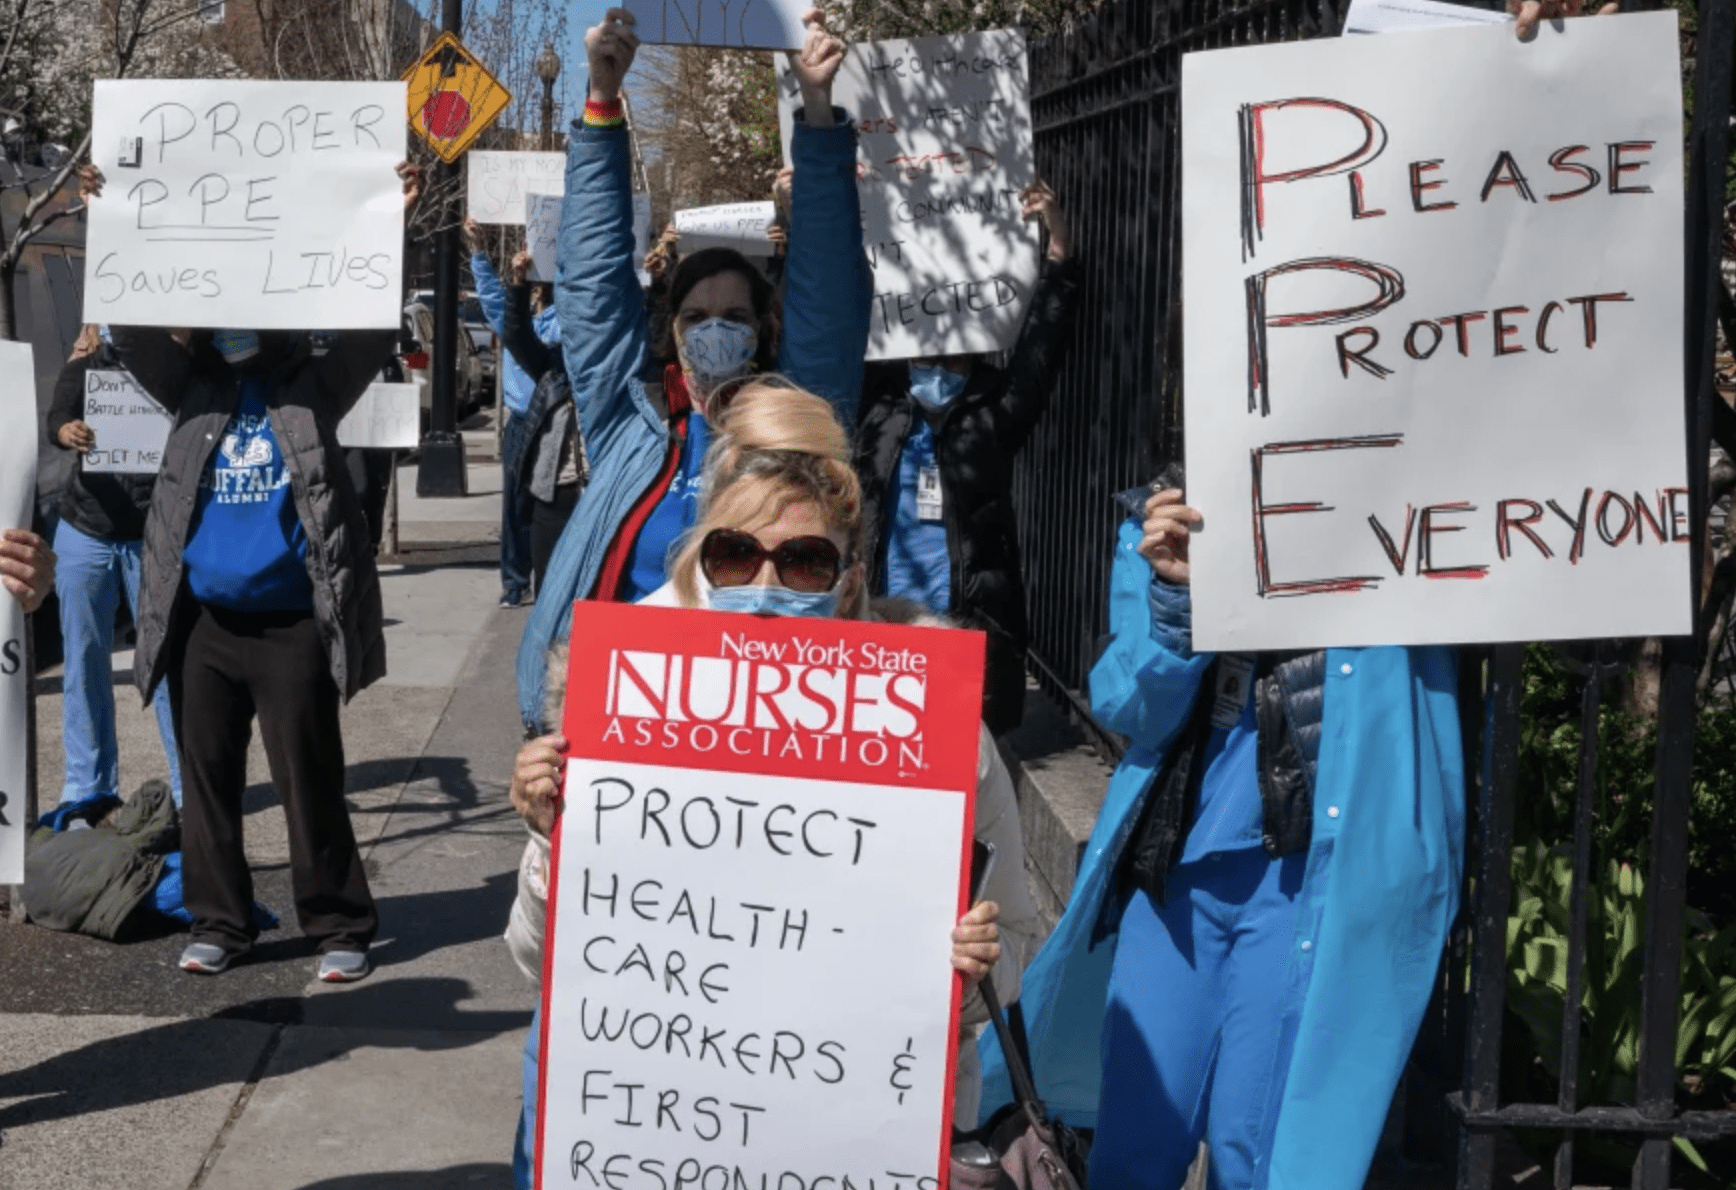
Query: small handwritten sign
[
  {"x": 738, "y": 225},
  {"x": 762, "y": 854},
  {"x": 944, "y": 125},
  {"x": 17, "y": 492},
  {"x": 131, "y": 429},
  {"x": 498, "y": 182},
  {"x": 388, "y": 417},
  {"x": 233, "y": 203},
  {"x": 1434, "y": 353},
  {"x": 542, "y": 233}
]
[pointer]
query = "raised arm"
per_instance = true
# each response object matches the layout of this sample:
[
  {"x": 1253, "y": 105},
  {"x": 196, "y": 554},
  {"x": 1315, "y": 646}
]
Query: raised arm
[
  {"x": 518, "y": 333},
  {"x": 601, "y": 310},
  {"x": 490, "y": 293},
  {"x": 827, "y": 289},
  {"x": 1042, "y": 342}
]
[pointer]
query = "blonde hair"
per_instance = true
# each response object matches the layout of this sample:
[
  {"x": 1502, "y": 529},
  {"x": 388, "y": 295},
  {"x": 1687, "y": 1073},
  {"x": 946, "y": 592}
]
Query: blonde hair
[{"x": 777, "y": 445}]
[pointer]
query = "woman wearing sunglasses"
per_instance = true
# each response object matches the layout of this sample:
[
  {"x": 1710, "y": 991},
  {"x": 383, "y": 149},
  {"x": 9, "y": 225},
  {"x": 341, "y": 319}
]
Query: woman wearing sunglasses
[{"x": 780, "y": 533}]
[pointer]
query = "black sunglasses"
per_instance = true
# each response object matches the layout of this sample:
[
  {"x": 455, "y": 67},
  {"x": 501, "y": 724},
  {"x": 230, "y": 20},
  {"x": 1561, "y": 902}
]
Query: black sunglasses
[{"x": 731, "y": 558}]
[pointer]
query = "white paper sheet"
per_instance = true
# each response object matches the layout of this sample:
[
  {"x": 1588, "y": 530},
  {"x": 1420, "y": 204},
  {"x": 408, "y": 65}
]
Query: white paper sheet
[
  {"x": 945, "y": 133},
  {"x": 498, "y": 182},
  {"x": 1404, "y": 16},
  {"x": 17, "y": 488},
  {"x": 131, "y": 429},
  {"x": 1505, "y": 460},
  {"x": 738, "y": 225},
  {"x": 388, "y": 417},
  {"x": 232, "y": 203},
  {"x": 542, "y": 230}
]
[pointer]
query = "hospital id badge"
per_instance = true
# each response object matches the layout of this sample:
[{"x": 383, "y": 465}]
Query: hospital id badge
[
  {"x": 1235, "y": 679},
  {"x": 928, "y": 502}
]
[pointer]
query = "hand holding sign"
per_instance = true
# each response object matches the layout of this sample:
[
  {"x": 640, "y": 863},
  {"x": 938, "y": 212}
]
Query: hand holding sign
[
  {"x": 1168, "y": 524},
  {"x": 536, "y": 781},
  {"x": 816, "y": 68},
  {"x": 610, "y": 46},
  {"x": 26, "y": 567}
]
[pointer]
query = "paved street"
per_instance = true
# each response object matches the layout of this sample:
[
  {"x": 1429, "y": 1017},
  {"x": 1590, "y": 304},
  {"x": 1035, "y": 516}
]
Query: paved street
[{"x": 116, "y": 1069}]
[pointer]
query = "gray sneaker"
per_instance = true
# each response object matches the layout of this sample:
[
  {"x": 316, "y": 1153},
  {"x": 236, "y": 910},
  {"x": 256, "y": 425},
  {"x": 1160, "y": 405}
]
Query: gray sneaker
[
  {"x": 205, "y": 958},
  {"x": 342, "y": 966}
]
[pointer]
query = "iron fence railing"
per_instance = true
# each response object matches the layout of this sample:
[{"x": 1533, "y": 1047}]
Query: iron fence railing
[{"x": 1106, "y": 105}]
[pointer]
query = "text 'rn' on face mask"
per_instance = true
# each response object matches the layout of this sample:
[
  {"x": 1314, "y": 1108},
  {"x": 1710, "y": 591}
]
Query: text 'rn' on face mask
[
  {"x": 717, "y": 350},
  {"x": 773, "y": 600},
  {"x": 935, "y": 387}
]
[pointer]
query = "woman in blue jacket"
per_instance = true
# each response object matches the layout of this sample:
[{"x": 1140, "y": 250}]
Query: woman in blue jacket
[
  {"x": 646, "y": 460},
  {"x": 1260, "y": 911}
]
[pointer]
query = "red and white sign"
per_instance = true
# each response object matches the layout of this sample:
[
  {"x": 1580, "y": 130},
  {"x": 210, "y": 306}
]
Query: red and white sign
[{"x": 765, "y": 845}]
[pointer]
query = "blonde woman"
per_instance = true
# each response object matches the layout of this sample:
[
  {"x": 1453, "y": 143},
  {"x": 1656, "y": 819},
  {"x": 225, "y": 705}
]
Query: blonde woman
[{"x": 780, "y": 532}]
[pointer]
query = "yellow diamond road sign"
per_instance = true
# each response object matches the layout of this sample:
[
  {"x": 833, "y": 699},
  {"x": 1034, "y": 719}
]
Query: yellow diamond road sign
[{"x": 453, "y": 97}]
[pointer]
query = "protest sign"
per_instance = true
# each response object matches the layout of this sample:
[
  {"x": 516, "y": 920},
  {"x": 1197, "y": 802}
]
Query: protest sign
[
  {"x": 1433, "y": 352},
  {"x": 944, "y": 125},
  {"x": 498, "y": 182},
  {"x": 246, "y": 204},
  {"x": 738, "y": 225},
  {"x": 753, "y": 24},
  {"x": 17, "y": 488},
  {"x": 764, "y": 849},
  {"x": 388, "y": 417},
  {"x": 641, "y": 227},
  {"x": 1407, "y": 16},
  {"x": 131, "y": 429},
  {"x": 542, "y": 232}
]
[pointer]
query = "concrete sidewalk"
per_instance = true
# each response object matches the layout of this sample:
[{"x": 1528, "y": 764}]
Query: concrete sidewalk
[{"x": 118, "y": 1069}]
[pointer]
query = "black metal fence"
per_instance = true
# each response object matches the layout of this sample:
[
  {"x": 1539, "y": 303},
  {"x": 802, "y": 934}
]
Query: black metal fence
[{"x": 1106, "y": 104}]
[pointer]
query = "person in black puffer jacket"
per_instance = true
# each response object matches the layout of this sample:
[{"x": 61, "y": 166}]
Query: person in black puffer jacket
[
  {"x": 542, "y": 448},
  {"x": 100, "y": 544},
  {"x": 935, "y": 443}
]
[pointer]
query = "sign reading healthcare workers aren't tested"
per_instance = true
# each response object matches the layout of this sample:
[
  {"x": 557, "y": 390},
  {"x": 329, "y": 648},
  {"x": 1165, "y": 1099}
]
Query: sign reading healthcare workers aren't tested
[
  {"x": 239, "y": 203},
  {"x": 763, "y": 851}
]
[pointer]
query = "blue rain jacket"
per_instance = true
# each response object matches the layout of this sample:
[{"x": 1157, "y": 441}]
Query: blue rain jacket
[
  {"x": 1380, "y": 891},
  {"x": 601, "y": 308},
  {"x": 517, "y": 386}
]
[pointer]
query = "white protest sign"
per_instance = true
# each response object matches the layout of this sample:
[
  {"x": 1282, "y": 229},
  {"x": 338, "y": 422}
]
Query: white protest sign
[
  {"x": 498, "y": 182},
  {"x": 1433, "y": 352},
  {"x": 1405, "y": 16},
  {"x": 131, "y": 429},
  {"x": 744, "y": 24},
  {"x": 388, "y": 417},
  {"x": 641, "y": 227},
  {"x": 542, "y": 232},
  {"x": 17, "y": 488},
  {"x": 763, "y": 852},
  {"x": 738, "y": 225},
  {"x": 944, "y": 125},
  {"x": 231, "y": 203}
]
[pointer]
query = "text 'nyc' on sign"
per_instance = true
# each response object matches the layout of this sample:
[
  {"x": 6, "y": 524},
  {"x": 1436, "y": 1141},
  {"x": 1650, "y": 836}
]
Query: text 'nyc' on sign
[{"x": 1433, "y": 309}]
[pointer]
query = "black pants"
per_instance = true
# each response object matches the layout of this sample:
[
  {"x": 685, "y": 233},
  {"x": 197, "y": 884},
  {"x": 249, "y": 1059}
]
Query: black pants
[
  {"x": 227, "y": 667},
  {"x": 546, "y": 523}
]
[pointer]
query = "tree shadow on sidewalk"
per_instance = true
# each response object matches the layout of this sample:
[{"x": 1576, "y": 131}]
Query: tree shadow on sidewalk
[{"x": 184, "y": 1057}]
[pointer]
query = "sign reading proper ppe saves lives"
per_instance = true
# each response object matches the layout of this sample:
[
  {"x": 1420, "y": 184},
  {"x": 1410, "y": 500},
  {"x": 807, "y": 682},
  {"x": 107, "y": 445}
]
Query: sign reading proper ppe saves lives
[
  {"x": 944, "y": 125},
  {"x": 17, "y": 492},
  {"x": 230, "y": 202},
  {"x": 1434, "y": 348},
  {"x": 764, "y": 848}
]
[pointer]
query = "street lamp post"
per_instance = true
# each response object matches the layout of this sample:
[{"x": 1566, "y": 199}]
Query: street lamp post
[{"x": 548, "y": 69}]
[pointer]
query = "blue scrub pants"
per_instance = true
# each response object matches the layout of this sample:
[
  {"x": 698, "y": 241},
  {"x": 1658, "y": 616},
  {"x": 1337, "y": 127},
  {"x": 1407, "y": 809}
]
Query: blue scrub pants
[
  {"x": 90, "y": 576},
  {"x": 523, "y": 1161},
  {"x": 1191, "y": 1031}
]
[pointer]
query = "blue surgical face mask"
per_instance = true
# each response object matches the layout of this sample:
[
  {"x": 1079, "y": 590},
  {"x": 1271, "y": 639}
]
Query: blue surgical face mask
[
  {"x": 236, "y": 346},
  {"x": 935, "y": 387},
  {"x": 773, "y": 600}
]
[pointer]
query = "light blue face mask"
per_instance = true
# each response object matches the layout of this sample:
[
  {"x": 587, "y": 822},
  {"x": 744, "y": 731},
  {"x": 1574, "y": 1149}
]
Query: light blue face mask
[
  {"x": 774, "y": 600},
  {"x": 935, "y": 387},
  {"x": 236, "y": 346}
]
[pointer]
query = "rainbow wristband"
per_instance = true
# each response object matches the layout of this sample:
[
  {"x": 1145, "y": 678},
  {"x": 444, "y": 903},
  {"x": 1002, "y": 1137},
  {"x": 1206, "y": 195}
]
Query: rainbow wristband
[{"x": 604, "y": 115}]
